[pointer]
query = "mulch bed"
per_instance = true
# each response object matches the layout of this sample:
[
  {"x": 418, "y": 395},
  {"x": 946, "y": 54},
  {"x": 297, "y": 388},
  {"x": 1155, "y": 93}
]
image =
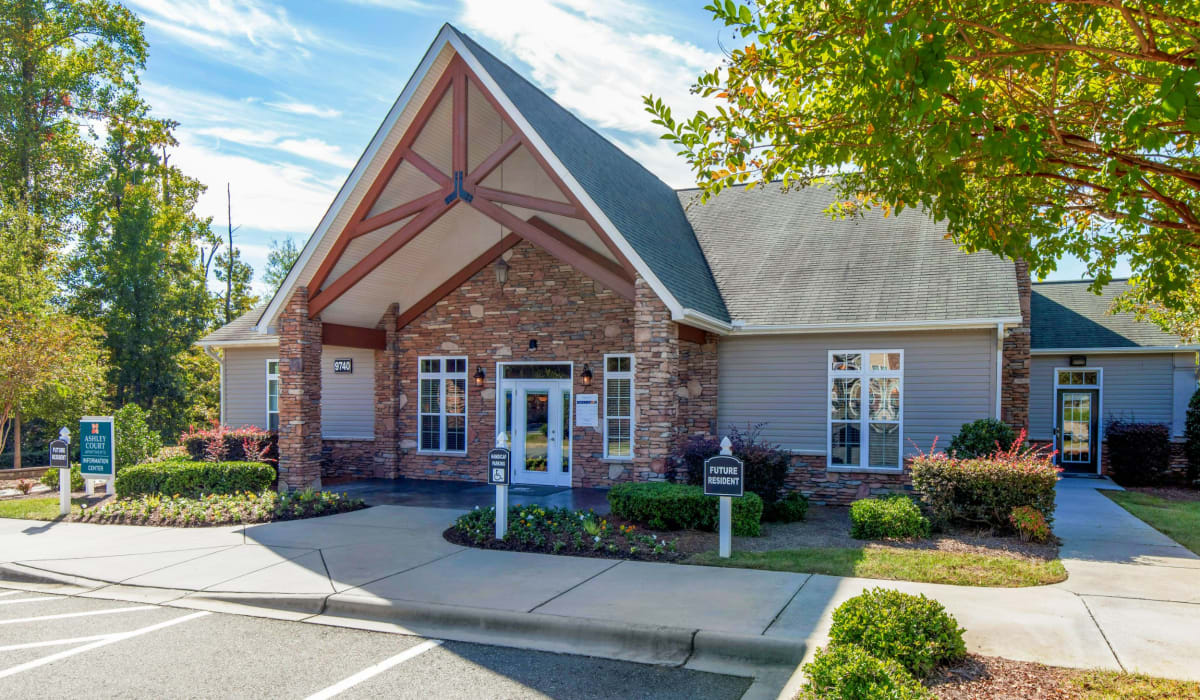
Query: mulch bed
[
  {"x": 453, "y": 536},
  {"x": 994, "y": 678},
  {"x": 1168, "y": 493}
]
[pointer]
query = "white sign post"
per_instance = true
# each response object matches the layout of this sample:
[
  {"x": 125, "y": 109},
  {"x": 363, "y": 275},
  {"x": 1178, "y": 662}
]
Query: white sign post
[
  {"x": 499, "y": 468},
  {"x": 724, "y": 477},
  {"x": 60, "y": 451}
]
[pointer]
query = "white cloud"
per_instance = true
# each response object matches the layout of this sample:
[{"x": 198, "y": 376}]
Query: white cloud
[
  {"x": 245, "y": 32},
  {"x": 399, "y": 5},
  {"x": 316, "y": 149},
  {"x": 307, "y": 110}
]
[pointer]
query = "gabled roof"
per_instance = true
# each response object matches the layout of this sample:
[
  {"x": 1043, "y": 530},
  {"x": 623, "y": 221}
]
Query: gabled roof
[
  {"x": 779, "y": 260},
  {"x": 1068, "y": 315},
  {"x": 240, "y": 331},
  {"x": 642, "y": 207}
]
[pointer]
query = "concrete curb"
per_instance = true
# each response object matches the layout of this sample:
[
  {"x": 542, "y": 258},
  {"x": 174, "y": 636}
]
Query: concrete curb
[{"x": 21, "y": 574}]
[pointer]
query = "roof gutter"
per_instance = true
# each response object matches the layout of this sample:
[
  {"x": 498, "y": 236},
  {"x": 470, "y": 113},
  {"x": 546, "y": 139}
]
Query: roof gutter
[
  {"x": 1149, "y": 349},
  {"x": 703, "y": 321},
  {"x": 739, "y": 328},
  {"x": 267, "y": 341}
]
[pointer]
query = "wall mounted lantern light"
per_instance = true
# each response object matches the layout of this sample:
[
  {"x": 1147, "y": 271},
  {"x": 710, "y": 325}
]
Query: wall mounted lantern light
[
  {"x": 587, "y": 375},
  {"x": 502, "y": 271},
  {"x": 479, "y": 375}
]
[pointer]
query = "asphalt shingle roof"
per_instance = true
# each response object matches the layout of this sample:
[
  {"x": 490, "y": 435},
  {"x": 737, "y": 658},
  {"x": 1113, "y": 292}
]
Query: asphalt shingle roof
[
  {"x": 780, "y": 260},
  {"x": 642, "y": 207},
  {"x": 1068, "y": 315},
  {"x": 239, "y": 329}
]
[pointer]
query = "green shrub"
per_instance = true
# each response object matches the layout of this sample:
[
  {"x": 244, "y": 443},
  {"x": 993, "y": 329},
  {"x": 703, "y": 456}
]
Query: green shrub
[
  {"x": 789, "y": 509},
  {"x": 982, "y": 438},
  {"x": 848, "y": 672},
  {"x": 766, "y": 464},
  {"x": 1030, "y": 524},
  {"x": 893, "y": 516},
  {"x": 135, "y": 441},
  {"x": 664, "y": 506},
  {"x": 1191, "y": 433},
  {"x": 983, "y": 491},
  {"x": 50, "y": 478},
  {"x": 912, "y": 630},
  {"x": 1138, "y": 453},
  {"x": 194, "y": 479}
]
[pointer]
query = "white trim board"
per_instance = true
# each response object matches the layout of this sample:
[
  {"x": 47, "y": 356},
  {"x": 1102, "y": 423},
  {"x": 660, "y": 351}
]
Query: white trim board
[{"x": 1116, "y": 351}]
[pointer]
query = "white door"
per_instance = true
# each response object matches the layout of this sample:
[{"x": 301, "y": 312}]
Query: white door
[{"x": 541, "y": 432}]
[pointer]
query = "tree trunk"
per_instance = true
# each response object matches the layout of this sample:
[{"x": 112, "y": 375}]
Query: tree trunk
[{"x": 17, "y": 440}]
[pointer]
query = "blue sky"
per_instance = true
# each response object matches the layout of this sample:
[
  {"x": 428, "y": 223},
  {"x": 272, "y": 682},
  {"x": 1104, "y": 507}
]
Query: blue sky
[{"x": 279, "y": 98}]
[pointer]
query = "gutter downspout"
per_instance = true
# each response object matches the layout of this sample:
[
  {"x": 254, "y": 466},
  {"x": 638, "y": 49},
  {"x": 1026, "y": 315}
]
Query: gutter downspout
[
  {"x": 999, "y": 365},
  {"x": 220, "y": 363}
]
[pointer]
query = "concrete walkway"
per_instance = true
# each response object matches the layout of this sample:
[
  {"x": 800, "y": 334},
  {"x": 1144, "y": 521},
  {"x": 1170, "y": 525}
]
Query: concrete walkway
[{"x": 1132, "y": 602}]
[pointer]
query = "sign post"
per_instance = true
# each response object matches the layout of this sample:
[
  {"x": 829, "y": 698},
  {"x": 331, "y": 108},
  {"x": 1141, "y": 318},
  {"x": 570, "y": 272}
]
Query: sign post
[
  {"x": 724, "y": 477},
  {"x": 98, "y": 451},
  {"x": 499, "y": 469},
  {"x": 60, "y": 459}
]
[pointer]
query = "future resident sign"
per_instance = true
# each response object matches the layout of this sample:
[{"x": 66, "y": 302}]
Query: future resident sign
[
  {"x": 97, "y": 447},
  {"x": 724, "y": 476}
]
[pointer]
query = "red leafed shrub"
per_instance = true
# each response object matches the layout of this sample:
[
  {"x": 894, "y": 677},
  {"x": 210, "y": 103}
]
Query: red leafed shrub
[
  {"x": 982, "y": 491},
  {"x": 222, "y": 444},
  {"x": 1030, "y": 524}
]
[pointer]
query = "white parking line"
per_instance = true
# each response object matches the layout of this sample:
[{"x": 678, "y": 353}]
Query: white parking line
[
  {"x": 120, "y": 636},
  {"x": 61, "y": 616},
  {"x": 375, "y": 670},
  {"x": 4, "y": 593},
  {"x": 56, "y": 642},
  {"x": 27, "y": 600}
]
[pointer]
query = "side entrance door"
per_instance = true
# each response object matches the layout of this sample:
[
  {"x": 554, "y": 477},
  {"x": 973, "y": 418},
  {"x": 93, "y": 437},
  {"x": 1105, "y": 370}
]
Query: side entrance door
[
  {"x": 1078, "y": 429},
  {"x": 541, "y": 437}
]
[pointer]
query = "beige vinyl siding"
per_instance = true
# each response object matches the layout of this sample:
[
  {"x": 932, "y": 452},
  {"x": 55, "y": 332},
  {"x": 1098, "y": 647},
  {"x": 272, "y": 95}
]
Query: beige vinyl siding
[
  {"x": 244, "y": 389},
  {"x": 348, "y": 400},
  {"x": 949, "y": 379},
  {"x": 1135, "y": 387}
]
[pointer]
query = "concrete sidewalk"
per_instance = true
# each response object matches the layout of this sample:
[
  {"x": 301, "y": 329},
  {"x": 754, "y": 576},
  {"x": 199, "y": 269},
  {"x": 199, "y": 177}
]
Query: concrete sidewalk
[{"x": 1133, "y": 600}]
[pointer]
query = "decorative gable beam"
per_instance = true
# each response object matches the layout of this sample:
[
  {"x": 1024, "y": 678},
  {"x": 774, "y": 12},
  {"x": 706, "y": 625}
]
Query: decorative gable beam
[
  {"x": 353, "y": 336},
  {"x": 525, "y": 201}
]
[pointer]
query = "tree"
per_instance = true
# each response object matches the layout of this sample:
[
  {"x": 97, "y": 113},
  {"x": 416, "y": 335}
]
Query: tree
[
  {"x": 239, "y": 297},
  {"x": 1032, "y": 129},
  {"x": 279, "y": 263}
]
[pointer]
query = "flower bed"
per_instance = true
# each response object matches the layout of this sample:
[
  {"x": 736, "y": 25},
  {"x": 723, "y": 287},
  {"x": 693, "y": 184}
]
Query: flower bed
[
  {"x": 561, "y": 531},
  {"x": 214, "y": 509}
]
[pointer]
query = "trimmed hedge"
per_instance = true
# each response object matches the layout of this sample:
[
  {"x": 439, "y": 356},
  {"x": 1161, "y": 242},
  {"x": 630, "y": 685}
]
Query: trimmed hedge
[
  {"x": 1191, "y": 434},
  {"x": 984, "y": 491},
  {"x": 664, "y": 506},
  {"x": 982, "y": 438},
  {"x": 849, "y": 672},
  {"x": 194, "y": 479},
  {"x": 229, "y": 444},
  {"x": 1138, "y": 453},
  {"x": 789, "y": 509},
  {"x": 913, "y": 630},
  {"x": 893, "y": 516}
]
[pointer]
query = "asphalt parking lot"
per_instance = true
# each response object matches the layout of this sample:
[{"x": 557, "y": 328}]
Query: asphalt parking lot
[{"x": 61, "y": 646}]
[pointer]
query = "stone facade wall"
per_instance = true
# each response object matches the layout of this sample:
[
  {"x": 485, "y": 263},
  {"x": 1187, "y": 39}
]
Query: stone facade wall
[
  {"x": 354, "y": 459},
  {"x": 388, "y": 400},
  {"x": 299, "y": 395},
  {"x": 1014, "y": 395},
  {"x": 809, "y": 476},
  {"x": 572, "y": 318},
  {"x": 656, "y": 383},
  {"x": 697, "y": 390}
]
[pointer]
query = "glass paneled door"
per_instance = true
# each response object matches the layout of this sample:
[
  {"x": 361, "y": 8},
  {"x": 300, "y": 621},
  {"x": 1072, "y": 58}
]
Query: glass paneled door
[
  {"x": 1078, "y": 429},
  {"x": 540, "y": 431}
]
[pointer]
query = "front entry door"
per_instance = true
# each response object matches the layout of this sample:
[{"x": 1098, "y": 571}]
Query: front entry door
[
  {"x": 541, "y": 438},
  {"x": 1078, "y": 429}
]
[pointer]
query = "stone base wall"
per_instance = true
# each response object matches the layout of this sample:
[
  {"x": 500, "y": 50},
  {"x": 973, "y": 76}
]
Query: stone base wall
[
  {"x": 809, "y": 476},
  {"x": 353, "y": 459},
  {"x": 299, "y": 396},
  {"x": 697, "y": 389}
]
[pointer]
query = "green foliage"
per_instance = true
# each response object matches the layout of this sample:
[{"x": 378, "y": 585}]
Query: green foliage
[
  {"x": 220, "y": 509},
  {"x": 766, "y": 465},
  {"x": 135, "y": 442},
  {"x": 1030, "y": 524},
  {"x": 236, "y": 277},
  {"x": 894, "y": 516},
  {"x": 247, "y": 443},
  {"x": 280, "y": 259},
  {"x": 194, "y": 479},
  {"x": 663, "y": 506},
  {"x": 983, "y": 491},
  {"x": 912, "y": 630},
  {"x": 50, "y": 478},
  {"x": 790, "y": 509},
  {"x": 981, "y": 438},
  {"x": 1032, "y": 129},
  {"x": 1191, "y": 433},
  {"x": 562, "y": 531},
  {"x": 1139, "y": 454},
  {"x": 848, "y": 672}
]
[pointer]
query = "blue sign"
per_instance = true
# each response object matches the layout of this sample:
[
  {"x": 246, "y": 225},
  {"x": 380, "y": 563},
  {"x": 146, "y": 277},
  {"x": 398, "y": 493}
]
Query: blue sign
[{"x": 97, "y": 447}]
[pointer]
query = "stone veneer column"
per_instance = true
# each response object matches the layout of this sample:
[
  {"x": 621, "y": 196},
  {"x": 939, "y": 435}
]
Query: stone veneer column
[
  {"x": 387, "y": 399},
  {"x": 656, "y": 382},
  {"x": 299, "y": 396},
  {"x": 1014, "y": 396},
  {"x": 698, "y": 386}
]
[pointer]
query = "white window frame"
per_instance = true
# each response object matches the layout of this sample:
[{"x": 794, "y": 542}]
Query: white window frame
[
  {"x": 442, "y": 376},
  {"x": 630, "y": 375},
  {"x": 267, "y": 392},
  {"x": 864, "y": 374},
  {"x": 1099, "y": 387}
]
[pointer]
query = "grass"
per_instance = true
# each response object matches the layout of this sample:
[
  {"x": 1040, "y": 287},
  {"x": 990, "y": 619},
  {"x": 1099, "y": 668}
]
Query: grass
[
  {"x": 35, "y": 508},
  {"x": 924, "y": 566},
  {"x": 1111, "y": 685},
  {"x": 1179, "y": 520}
]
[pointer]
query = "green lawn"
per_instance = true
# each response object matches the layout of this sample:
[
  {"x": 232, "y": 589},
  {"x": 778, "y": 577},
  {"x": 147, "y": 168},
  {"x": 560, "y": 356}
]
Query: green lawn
[
  {"x": 35, "y": 508},
  {"x": 1179, "y": 520},
  {"x": 1111, "y": 685},
  {"x": 925, "y": 566}
]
